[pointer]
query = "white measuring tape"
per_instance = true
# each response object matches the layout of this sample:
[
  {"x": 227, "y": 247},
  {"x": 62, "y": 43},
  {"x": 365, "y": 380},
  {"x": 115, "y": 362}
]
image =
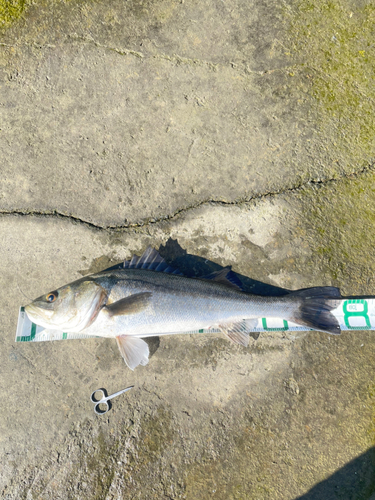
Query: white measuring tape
[{"x": 352, "y": 314}]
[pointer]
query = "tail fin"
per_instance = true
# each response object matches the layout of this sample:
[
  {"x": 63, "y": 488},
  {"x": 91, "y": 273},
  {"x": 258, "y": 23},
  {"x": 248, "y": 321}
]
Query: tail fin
[{"x": 315, "y": 308}]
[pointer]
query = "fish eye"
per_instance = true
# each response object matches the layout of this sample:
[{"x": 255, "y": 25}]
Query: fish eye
[{"x": 51, "y": 297}]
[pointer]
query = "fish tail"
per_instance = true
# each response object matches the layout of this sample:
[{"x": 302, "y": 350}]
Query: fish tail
[{"x": 315, "y": 306}]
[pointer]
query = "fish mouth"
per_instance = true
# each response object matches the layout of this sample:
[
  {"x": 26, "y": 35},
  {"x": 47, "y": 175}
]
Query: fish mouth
[{"x": 37, "y": 313}]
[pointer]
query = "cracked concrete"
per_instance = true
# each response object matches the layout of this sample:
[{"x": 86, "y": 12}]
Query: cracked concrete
[
  {"x": 226, "y": 133},
  {"x": 146, "y": 222},
  {"x": 207, "y": 124}
]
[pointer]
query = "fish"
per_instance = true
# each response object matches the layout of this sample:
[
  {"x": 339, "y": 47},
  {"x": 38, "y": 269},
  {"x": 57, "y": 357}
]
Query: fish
[{"x": 145, "y": 297}]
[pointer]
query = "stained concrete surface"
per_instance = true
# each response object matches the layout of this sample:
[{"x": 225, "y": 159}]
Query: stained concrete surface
[{"x": 225, "y": 133}]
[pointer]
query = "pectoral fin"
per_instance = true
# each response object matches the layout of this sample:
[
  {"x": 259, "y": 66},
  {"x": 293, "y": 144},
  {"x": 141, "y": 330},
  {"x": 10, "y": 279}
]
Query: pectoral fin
[
  {"x": 134, "y": 350},
  {"x": 129, "y": 305}
]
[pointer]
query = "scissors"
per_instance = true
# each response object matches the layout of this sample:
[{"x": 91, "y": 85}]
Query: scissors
[{"x": 105, "y": 399}]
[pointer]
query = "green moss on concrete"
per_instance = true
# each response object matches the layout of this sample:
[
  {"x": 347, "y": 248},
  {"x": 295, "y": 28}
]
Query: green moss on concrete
[
  {"x": 10, "y": 11},
  {"x": 334, "y": 43},
  {"x": 338, "y": 223},
  {"x": 157, "y": 433}
]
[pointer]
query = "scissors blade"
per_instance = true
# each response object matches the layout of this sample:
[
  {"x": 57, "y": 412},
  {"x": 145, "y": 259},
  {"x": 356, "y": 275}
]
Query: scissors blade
[{"x": 119, "y": 392}]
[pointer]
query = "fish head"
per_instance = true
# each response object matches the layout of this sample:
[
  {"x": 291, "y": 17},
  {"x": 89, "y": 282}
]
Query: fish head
[{"x": 70, "y": 308}]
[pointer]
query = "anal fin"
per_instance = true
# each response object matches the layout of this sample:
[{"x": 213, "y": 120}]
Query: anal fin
[
  {"x": 237, "y": 332},
  {"x": 134, "y": 350}
]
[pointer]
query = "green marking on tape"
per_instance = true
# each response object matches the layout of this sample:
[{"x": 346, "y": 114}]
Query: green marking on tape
[
  {"x": 200, "y": 331},
  {"x": 33, "y": 331},
  {"x": 281, "y": 329},
  {"x": 65, "y": 336},
  {"x": 362, "y": 314},
  {"x": 28, "y": 338}
]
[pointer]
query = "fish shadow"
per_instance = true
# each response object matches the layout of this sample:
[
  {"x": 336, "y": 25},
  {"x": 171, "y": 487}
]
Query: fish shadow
[
  {"x": 193, "y": 266},
  {"x": 153, "y": 345}
]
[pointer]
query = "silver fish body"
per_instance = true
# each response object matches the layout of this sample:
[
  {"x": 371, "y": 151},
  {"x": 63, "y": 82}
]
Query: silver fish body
[
  {"x": 131, "y": 303},
  {"x": 176, "y": 304}
]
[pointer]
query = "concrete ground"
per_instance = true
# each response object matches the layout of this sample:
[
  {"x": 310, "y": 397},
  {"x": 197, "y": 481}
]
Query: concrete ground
[{"x": 222, "y": 133}]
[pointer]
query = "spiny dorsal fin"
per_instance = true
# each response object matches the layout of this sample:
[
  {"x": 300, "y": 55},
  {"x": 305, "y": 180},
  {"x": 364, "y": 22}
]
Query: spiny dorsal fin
[
  {"x": 134, "y": 350},
  {"x": 129, "y": 305},
  {"x": 226, "y": 277},
  {"x": 151, "y": 260}
]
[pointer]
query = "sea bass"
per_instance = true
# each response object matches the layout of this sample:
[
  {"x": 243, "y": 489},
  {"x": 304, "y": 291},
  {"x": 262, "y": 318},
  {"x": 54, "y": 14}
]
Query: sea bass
[{"x": 145, "y": 297}]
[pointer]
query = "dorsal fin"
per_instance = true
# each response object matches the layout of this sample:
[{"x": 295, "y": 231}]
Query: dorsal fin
[
  {"x": 151, "y": 260},
  {"x": 226, "y": 277}
]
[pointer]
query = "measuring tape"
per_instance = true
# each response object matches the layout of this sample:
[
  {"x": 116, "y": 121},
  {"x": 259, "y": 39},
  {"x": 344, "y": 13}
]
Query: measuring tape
[{"x": 352, "y": 314}]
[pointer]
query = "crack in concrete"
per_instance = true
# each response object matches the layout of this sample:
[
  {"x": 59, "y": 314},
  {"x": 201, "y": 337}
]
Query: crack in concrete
[
  {"x": 154, "y": 220},
  {"x": 176, "y": 59},
  {"x": 180, "y": 60},
  {"x": 121, "y": 51}
]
